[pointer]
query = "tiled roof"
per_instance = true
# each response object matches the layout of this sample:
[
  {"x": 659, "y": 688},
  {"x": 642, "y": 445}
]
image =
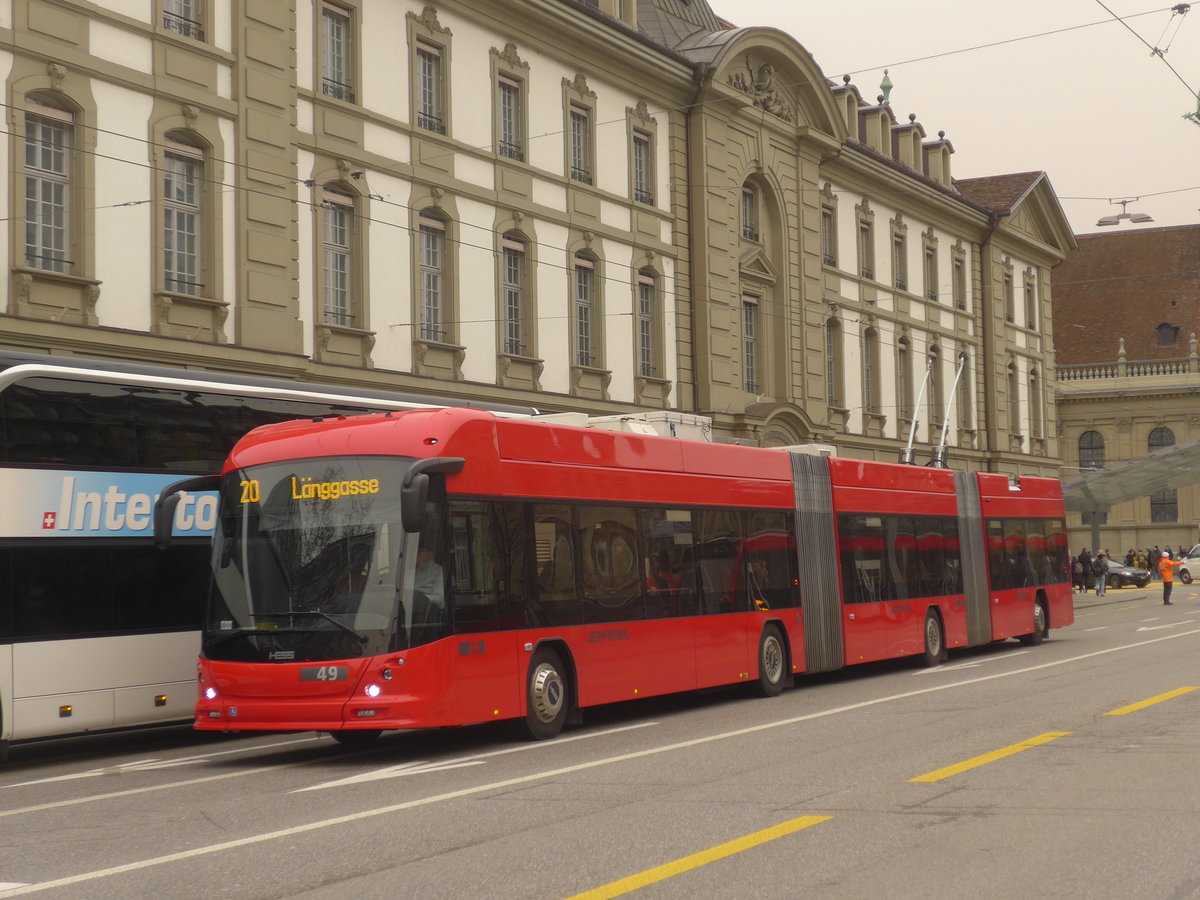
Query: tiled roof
[
  {"x": 1125, "y": 284},
  {"x": 671, "y": 21},
  {"x": 998, "y": 193}
]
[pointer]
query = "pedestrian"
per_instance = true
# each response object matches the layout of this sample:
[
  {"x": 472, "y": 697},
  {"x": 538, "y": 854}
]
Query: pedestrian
[
  {"x": 1170, "y": 553},
  {"x": 1078, "y": 582},
  {"x": 1100, "y": 570},
  {"x": 1129, "y": 557},
  {"x": 1085, "y": 560},
  {"x": 1155, "y": 556},
  {"x": 1166, "y": 567}
]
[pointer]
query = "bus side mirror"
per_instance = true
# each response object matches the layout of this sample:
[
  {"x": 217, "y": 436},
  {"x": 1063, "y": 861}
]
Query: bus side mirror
[
  {"x": 415, "y": 489},
  {"x": 168, "y": 500}
]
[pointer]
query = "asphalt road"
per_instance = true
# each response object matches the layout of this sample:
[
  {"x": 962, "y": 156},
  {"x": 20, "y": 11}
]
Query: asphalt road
[{"x": 1065, "y": 770}]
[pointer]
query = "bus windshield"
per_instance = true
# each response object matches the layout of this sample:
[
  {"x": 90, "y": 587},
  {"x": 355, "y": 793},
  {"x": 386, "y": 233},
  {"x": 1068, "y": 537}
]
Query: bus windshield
[{"x": 310, "y": 562}]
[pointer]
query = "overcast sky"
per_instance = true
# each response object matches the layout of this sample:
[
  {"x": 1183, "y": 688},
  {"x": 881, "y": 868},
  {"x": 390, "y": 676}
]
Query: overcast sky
[{"x": 1092, "y": 106}]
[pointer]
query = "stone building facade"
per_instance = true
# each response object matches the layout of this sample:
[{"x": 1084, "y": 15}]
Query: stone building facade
[
  {"x": 1127, "y": 316},
  {"x": 601, "y": 206}
]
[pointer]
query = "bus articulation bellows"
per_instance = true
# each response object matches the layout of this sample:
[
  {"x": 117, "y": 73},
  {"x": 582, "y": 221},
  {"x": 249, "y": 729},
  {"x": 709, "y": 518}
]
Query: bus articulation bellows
[{"x": 450, "y": 567}]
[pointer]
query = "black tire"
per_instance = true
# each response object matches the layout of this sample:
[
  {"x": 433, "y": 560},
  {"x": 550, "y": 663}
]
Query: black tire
[
  {"x": 1185, "y": 576},
  {"x": 546, "y": 695},
  {"x": 1041, "y": 626},
  {"x": 357, "y": 739},
  {"x": 772, "y": 662},
  {"x": 1116, "y": 581},
  {"x": 935, "y": 640}
]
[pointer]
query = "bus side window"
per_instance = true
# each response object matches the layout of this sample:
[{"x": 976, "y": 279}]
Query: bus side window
[
  {"x": 718, "y": 536},
  {"x": 668, "y": 563},
  {"x": 609, "y": 577},
  {"x": 554, "y": 554}
]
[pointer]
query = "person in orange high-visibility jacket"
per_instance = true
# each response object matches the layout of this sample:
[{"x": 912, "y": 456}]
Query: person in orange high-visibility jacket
[{"x": 1166, "y": 568}]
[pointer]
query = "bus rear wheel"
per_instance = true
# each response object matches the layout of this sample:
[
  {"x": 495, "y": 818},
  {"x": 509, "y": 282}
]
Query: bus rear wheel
[
  {"x": 772, "y": 662},
  {"x": 935, "y": 640},
  {"x": 357, "y": 739},
  {"x": 1039, "y": 626},
  {"x": 545, "y": 696}
]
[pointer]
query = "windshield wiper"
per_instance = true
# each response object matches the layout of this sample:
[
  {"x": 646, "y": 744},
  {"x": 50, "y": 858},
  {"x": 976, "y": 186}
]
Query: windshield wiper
[{"x": 362, "y": 638}]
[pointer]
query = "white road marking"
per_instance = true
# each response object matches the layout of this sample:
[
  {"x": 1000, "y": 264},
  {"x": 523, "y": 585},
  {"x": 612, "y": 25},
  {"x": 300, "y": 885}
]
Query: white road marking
[
  {"x": 971, "y": 665},
  {"x": 1097, "y": 628},
  {"x": 1168, "y": 625},
  {"x": 475, "y": 759},
  {"x": 554, "y": 773},
  {"x": 144, "y": 765}
]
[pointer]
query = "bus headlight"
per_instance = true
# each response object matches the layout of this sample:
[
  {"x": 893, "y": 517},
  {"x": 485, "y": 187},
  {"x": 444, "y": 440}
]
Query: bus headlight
[
  {"x": 210, "y": 693},
  {"x": 372, "y": 691}
]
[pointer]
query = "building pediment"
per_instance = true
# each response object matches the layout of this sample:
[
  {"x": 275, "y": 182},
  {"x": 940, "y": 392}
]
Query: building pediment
[{"x": 757, "y": 265}]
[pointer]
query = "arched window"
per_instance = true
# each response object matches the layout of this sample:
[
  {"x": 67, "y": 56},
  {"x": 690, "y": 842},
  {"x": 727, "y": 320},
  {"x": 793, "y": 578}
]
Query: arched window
[
  {"x": 871, "y": 402},
  {"x": 904, "y": 379},
  {"x": 1035, "y": 404},
  {"x": 647, "y": 324},
  {"x": 1014, "y": 400},
  {"x": 338, "y": 257},
  {"x": 1091, "y": 450},
  {"x": 749, "y": 214},
  {"x": 1164, "y": 504},
  {"x": 183, "y": 214},
  {"x": 432, "y": 264},
  {"x": 515, "y": 300},
  {"x": 833, "y": 363},
  {"x": 49, "y": 149}
]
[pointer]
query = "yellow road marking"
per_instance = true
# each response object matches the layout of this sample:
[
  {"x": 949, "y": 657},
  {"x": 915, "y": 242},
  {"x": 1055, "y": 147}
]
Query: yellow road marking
[
  {"x": 1142, "y": 704},
  {"x": 958, "y": 768},
  {"x": 696, "y": 860}
]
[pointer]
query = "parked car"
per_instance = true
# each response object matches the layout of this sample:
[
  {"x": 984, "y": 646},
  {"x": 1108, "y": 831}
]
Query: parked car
[
  {"x": 1190, "y": 561},
  {"x": 1120, "y": 575}
]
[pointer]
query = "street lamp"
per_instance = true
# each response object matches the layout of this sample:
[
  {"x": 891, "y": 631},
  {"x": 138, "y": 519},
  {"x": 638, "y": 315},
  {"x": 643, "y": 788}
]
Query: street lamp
[{"x": 1136, "y": 217}]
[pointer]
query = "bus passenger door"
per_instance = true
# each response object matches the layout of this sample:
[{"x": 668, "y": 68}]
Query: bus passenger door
[{"x": 864, "y": 579}]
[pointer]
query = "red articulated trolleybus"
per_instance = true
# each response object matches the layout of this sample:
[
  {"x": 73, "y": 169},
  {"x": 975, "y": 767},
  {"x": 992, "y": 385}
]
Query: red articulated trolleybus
[{"x": 450, "y": 566}]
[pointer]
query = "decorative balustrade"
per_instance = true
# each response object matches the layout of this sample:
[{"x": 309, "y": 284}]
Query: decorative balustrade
[{"x": 1138, "y": 368}]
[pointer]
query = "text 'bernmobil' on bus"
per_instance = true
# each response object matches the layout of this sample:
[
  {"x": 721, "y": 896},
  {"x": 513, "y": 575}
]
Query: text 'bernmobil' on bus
[{"x": 440, "y": 567}]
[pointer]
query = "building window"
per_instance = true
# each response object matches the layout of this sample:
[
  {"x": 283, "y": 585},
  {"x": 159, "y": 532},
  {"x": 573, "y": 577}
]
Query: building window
[
  {"x": 749, "y": 212},
  {"x": 959, "y": 276},
  {"x": 965, "y": 387},
  {"x": 833, "y": 362},
  {"x": 1014, "y": 400},
  {"x": 581, "y": 144},
  {"x": 643, "y": 167},
  {"x": 1031, "y": 316},
  {"x": 1010, "y": 302},
  {"x": 432, "y": 236},
  {"x": 871, "y": 371},
  {"x": 937, "y": 396},
  {"x": 1091, "y": 450},
  {"x": 48, "y": 148},
  {"x": 336, "y": 59},
  {"x": 1164, "y": 504},
  {"x": 647, "y": 313},
  {"x": 750, "y": 342},
  {"x": 931, "y": 273},
  {"x": 337, "y": 239},
  {"x": 183, "y": 171},
  {"x": 828, "y": 235},
  {"x": 585, "y": 309},
  {"x": 430, "y": 106},
  {"x": 1167, "y": 335},
  {"x": 511, "y": 119},
  {"x": 1035, "y": 405},
  {"x": 900, "y": 262},
  {"x": 184, "y": 17},
  {"x": 903, "y": 379},
  {"x": 514, "y": 296},
  {"x": 866, "y": 249}
]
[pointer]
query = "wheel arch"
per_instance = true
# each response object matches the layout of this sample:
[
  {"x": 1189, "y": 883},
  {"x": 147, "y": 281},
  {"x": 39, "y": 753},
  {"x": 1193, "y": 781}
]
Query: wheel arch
[
  {"x": 789, "y": 674},
  {"x": 563, "y": 649}
]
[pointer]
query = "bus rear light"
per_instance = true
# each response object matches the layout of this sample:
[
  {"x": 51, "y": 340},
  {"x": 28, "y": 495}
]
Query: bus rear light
[
  {"x": 372, "y": 691},
  {"x": 160, "y": 700},
  {"x": 210, "y": 693}
]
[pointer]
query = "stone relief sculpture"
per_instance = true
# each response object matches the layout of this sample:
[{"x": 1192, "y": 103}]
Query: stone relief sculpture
[{"x": 759, "y": 83}]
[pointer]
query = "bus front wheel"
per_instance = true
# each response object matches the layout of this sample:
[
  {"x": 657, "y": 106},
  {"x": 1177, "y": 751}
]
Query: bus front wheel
[
  {"x": 1039, "y": 626},
  {"x": 772, "y": 662},
  {"x": 546, "y": 696},
  {"x": 935, "y": 640}
]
